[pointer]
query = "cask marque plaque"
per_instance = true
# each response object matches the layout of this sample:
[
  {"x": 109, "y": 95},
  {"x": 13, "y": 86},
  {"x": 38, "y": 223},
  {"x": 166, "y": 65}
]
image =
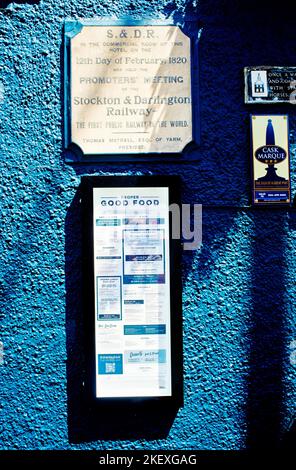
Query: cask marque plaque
[{"x": 270, "y": 160}]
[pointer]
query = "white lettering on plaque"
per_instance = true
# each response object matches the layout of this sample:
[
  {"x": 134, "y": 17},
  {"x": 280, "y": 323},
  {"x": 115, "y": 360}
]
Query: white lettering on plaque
[{"x": 131, "y": 89}]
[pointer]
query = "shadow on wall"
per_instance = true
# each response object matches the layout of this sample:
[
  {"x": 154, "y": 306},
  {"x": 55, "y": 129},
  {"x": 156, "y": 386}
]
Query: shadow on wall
[
  {"x": 268, "y": 292},
  {"x": 290, "y": 438},
  {"x": 267, "y": 355},
  {"x": 266, "y": 344},
  {"x": 85, "y": 423},
  {"x": 269, "y": 284}
]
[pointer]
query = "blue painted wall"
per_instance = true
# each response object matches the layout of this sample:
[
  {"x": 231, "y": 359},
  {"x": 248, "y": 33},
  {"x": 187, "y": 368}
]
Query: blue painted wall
[{"x": 239, "y": 288}]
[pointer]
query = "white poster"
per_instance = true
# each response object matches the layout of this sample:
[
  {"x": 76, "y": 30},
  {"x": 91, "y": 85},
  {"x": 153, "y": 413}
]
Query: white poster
[{"x": 132, "y": 292}]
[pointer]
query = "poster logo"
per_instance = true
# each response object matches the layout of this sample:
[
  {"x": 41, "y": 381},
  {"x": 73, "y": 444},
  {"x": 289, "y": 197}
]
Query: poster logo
[
  {"x": 270, "y": 154},
  {"x": 259, "y": 83}
]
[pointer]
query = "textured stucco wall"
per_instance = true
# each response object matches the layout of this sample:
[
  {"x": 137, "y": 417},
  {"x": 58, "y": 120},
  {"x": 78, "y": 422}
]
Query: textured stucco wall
[{"x": 239, "y": 288}]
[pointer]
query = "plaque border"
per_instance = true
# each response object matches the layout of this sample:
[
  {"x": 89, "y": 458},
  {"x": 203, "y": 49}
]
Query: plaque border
[
  {"x": 73, "y": 153},
  {"x": 247, "y": 84},
  {"x": 88, "y": 183}
]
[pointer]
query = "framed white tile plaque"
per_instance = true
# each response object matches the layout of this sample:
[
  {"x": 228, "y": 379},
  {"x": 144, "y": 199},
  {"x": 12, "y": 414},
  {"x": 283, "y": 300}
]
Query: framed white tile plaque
[{"x": 128, "y": 90}]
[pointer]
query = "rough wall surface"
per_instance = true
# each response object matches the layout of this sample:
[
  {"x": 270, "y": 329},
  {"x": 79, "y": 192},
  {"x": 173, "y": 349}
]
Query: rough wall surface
[{"x": 239, "y": 288}]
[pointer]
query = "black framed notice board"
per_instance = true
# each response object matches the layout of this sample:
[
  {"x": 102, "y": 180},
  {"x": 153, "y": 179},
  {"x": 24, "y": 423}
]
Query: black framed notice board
[{"x": 132, "y": 291}]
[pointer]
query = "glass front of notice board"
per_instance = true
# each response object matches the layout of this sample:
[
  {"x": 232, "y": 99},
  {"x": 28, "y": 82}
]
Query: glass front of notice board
[{"x": 134, "y": 317}]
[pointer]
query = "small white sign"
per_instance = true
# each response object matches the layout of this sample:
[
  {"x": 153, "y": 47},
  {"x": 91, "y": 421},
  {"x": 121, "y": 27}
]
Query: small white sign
[{"x": 259, "y": 83}]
